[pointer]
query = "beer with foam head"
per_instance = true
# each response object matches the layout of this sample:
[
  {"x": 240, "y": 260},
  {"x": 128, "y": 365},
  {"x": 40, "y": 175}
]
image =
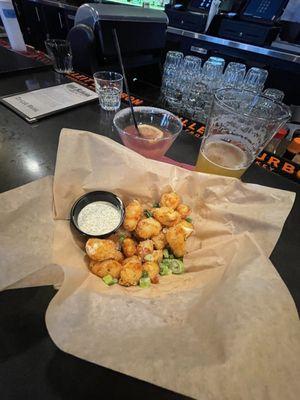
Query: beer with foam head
[{"x": 222, "y": 158}]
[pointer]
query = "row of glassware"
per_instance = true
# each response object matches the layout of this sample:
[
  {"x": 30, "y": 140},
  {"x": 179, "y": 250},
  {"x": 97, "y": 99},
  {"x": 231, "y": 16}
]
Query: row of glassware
[{"x": 188, "y": 87}]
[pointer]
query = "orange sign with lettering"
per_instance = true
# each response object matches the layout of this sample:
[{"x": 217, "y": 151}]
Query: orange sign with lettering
[{"x": 279, "y": 165}]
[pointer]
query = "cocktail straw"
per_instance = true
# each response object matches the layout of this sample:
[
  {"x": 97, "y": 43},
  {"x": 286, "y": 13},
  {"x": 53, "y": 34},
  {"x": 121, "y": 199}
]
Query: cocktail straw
[{"x": 125, "y": 79}]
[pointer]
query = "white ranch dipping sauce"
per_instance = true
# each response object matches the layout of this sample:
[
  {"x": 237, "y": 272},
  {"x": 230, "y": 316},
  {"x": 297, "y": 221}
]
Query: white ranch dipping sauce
[{"x": 98, "y": 218}]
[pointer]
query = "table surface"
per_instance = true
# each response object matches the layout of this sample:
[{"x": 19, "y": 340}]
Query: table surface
[
  {"x": 12, "y": 62},
  {"x": 32, "y": 367}
]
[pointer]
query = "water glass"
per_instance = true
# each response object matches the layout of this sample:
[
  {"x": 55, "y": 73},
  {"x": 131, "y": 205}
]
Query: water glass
[
  {"x": 173, "y": 59},
  {"x": 195, "y": 101},
  {"x": 212, "y": 70},
  {"x": 171, "y": 66},
  {"x": 217, "y": 60},
  {"x": 239, "y": 127},
  {"x": 61, "y": 54},
  {"x": 189, "y": 75},
  {"x": 234, "y": 75},
  {"x": 173, "y": 93},
  {"x": 212, "y": 65},
  {"x": 274, "y": 94},
  {"x": 109, "y": 86},
  {"x": 198, "y": 103},
  {"x": 191, "y": 64},
  {"x": 183, "y": 77},
  {"x": 255, "y": 79},
  {"x": 190, "y": 72}
]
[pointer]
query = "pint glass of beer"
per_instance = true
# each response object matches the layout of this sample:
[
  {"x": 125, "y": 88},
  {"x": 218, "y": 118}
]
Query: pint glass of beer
[{"x": 240, "y": 125}]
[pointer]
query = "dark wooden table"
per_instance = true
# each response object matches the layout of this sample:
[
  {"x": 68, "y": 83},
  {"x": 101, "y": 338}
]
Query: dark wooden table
[{"x": 32, "y": 367}]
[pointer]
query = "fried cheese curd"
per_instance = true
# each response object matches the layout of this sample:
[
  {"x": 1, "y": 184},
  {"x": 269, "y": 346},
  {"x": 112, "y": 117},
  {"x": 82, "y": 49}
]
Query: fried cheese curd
[
  {"x": 176, "y": 237},
  {"x": 133, "y": 213},
  {"x": 129, "y": 247},
  {"x": 102, "y": 249},
  {"x": 144, "y": 248},
  {"x": 131, "y": 271},
  {"x": 166, "y": 216},
  {"x": 147, "y": 228},
  {"x": 157, "y": 256},
  {"x": 159, "y": 241},
  {"x": 171, "y": 200},
  {"x": 152, "y": 268},
  {"x": 106, "y": 267},
  {"x": 184, "y": 210}
]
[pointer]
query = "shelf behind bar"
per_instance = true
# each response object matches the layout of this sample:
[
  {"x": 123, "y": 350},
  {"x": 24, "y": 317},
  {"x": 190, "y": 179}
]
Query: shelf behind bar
[{"x": 282, "y": 55}]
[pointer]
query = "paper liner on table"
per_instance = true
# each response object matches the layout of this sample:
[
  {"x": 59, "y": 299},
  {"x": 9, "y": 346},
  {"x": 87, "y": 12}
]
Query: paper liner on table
[
  {"x": 226, "y": 329},
  {"x": 26, "y": 232}
]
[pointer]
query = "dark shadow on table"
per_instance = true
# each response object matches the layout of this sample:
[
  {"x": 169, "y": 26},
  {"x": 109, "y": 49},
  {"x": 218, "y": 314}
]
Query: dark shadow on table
[
  {"x": 72, "y": 378},
  {"x": 20, "y": 322}
]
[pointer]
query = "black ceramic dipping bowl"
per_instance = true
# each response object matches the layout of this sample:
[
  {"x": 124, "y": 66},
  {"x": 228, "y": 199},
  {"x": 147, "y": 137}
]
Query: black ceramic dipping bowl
[{"x": 80, "y": 236}]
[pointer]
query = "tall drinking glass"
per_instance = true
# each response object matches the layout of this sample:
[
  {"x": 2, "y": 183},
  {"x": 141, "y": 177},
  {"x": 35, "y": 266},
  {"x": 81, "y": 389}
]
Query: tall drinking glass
[
  {"x": 234, "y": 75},
  {"x": 217, "y": 60},
  {"x": 191, "y": 64},
  {"x": 184, "y": 76},
  {"x": 199, "y": 101},
  {"x": 173, "y": 59},
  {"x": 171, "y": 69},
  {"x": 213, "y": 65},
  {"x": 241, "y": 123},
  {"x": 255, "y": 79},
  {"x": 109, "y": 86},
  {"x": 274, "y": 94},
  {"x": 61, "y": 54},
  {"x": 188, "y": 77}
]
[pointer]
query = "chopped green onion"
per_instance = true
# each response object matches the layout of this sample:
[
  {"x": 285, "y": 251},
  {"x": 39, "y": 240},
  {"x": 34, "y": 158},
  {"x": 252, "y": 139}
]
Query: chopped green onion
[
  {"x": 177, "y": 266},
  {"x": 145, "y": 282},
  {"x": 166, "y": 261},
  {"x": 188, "y": 219},
  {"x": 148, "y": 257},
  {"x": 109, "y": 280},
  {"x": 122, "y": 237},
  {"x": 166, "y": 253},
  {"x": 156, "y": 205},
  {"x": 164, "y": 269},
  {"x": 145, "y": 274},
  {"x": 148, "y": 213}
]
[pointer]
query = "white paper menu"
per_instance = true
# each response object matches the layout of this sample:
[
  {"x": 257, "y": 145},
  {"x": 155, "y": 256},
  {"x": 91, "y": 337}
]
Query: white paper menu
[{"x": 43, "y": 102}]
